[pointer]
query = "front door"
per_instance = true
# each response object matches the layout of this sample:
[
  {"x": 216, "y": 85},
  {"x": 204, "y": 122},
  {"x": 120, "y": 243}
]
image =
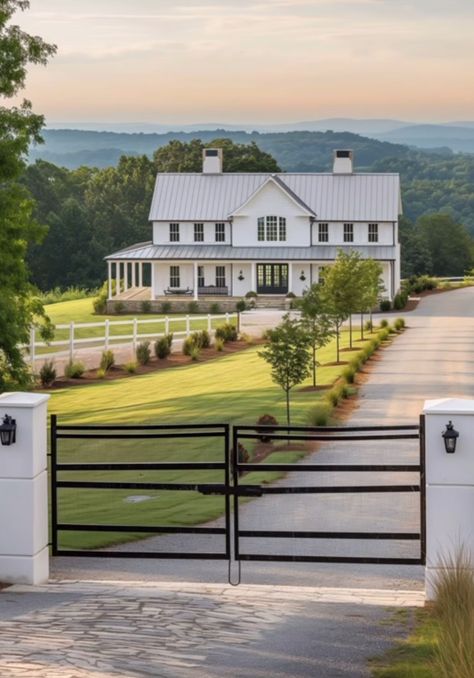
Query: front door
[{"x": 272, "y": 278}]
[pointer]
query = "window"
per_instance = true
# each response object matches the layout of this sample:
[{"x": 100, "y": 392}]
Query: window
[
  {"x": 323, "y": 232},
  {"x": 220, "y": 232},
  {"x": 174, "y": 276},
  {"x": 348, "y": 232},
  {"x": 220, "y": 276},
  {"x": 373, "y": 232},
  {"x": 174, "y": 232},
  {"x": 200, "y": 276},
  {"x": 271, "y": 229},
  {"x": 198, "y": 232}
]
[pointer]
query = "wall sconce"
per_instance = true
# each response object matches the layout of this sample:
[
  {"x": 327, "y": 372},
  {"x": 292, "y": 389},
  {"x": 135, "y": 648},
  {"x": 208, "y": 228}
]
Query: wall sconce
[
  {"x": 450, "y": 438},
  {"x": 8, "y": 430},
  {"x": 241, "y": 276},
  {"x": 302, "y": 276}
]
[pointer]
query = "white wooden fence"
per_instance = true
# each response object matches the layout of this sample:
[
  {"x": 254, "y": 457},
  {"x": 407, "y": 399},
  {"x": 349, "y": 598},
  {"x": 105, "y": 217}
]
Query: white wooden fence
[{"x": 103, "y": 342}]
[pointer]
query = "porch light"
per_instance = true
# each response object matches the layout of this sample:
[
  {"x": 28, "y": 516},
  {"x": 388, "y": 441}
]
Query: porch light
[
  {"x": 450, "y": 438},
  {"x": 302, "y": 276},
  {"x": 8, "y": 430},
  {"x": 241, "y": 276}
]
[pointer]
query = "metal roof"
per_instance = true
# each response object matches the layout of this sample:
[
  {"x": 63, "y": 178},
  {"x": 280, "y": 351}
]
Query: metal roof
[
  {"x": 332, "y": 197},
  {"x": 148, "y": 251}
]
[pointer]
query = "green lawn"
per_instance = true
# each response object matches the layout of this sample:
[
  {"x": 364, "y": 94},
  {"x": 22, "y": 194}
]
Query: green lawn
[
  {"x": 233, "y": 389},
  {"x": 81, "y": 311}
]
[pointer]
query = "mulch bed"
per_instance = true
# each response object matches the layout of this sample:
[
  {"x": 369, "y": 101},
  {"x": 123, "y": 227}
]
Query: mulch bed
[{"x": 174, "y": 360}]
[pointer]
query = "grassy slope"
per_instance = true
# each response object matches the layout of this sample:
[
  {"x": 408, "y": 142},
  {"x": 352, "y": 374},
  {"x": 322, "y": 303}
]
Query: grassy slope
[{"x": 237, "y": 388}]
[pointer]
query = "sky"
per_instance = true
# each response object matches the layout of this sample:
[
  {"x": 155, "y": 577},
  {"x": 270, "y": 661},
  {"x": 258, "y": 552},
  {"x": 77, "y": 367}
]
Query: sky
[{"x": 189, "y": 61}]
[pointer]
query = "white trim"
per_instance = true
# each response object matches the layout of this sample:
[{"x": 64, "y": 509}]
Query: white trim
[{"x": 271, "y": 179}]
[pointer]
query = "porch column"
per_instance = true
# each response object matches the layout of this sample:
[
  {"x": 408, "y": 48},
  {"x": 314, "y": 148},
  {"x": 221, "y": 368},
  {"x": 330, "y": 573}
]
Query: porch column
[
  {"x": 126, "y": 275},
  {"x": 134, "y": 273},
  {"x": 195, "y": 277},
  {"x": 153, "y": 294},
  {"x": 117, "y": 278},
  {"x": 140, "y": 274},
  {"x": 253, "y": 276},
  {"x": 290, "y": 276},
  {"x": 109, "y": 279}
]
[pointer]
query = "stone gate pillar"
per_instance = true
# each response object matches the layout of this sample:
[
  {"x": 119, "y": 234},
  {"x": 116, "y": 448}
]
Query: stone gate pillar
[
  {"x": 24, "y": 553},
  {"x": 449, "y": 484}
]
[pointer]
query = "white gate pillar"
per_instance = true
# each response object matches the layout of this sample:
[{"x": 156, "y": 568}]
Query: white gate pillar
[
  {"x": 24, "y": 551},
  {"x": 449, "y": 484}
]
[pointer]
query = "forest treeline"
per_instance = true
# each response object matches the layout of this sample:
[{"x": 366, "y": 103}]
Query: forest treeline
[{"x": 91, "y": 212}]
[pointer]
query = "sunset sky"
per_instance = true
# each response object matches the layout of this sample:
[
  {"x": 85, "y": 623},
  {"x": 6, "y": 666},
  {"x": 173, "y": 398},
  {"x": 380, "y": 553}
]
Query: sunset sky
[{"x": 243, "y": 61}]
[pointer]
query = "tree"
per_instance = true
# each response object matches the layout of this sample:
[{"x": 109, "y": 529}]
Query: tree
[
  {"x": 316, "y": 322},
  {"x": 178, "y": 156},
  {"x": 449, "y": 243},
  {"x": 287, "y": 353},
  {"x": 372, "y": 286},
  {"x": 19, "y": 127},
  {"x": 342, "y": 292}
]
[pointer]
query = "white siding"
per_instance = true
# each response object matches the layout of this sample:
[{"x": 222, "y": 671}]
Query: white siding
[
  {"x": 271, "y": 201},
  {"x": 161, "y": 233},
  {"x": 361, "y": 233}
]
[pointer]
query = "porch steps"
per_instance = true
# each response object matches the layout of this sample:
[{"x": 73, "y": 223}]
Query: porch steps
[{"x": 272, "y": 301}]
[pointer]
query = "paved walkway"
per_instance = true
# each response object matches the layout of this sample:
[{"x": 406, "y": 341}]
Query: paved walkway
[{"x": 80, "y": 629}]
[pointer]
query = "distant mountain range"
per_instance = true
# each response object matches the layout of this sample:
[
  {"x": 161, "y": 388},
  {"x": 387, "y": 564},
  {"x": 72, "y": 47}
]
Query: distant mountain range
[{"x": 457, "y": 136}]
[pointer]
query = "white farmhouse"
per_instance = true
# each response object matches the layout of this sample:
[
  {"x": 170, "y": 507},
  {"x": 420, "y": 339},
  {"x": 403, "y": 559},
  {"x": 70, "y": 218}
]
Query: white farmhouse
[{"x": 217, "y": 236}]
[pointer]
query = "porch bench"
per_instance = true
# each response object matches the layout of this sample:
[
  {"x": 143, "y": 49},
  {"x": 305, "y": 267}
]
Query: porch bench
[
  {"x": 168, "y": 291},
  {"x": 213, "y": 290}
]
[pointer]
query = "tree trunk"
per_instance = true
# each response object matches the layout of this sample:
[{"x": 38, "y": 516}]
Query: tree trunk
[
  {"x": 337, "y": 344},
  {"x": 362, "y": 326},
  {"x": 350, "y": 331},
  {"x": 314, "y": 365},
  {"x": 288, "y": 408}
]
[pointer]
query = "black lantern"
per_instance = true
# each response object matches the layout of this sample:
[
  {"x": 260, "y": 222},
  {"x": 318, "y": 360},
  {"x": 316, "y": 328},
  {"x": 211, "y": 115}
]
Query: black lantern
[
  {"x": 302, "y": 276},
  {"x": 8, "y": 430},
  {"x": 450, "y": 438},
  {"x": 241, "y": 276}
]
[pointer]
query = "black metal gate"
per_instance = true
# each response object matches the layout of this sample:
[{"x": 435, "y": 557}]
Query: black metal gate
[{"x": 229, "y": 476}]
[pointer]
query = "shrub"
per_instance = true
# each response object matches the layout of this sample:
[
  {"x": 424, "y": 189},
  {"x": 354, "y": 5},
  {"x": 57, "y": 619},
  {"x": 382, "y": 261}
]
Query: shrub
[
  {"x": 383, "y": 334},
  {"x": 204, "y": 339},
  {"x": 100, "y": 302},
  {"x": 269, "y": 422},
  {"x": 291, "y": 295},
  {"x": 240, "y": 306},
  {"x": 399, "y": 324},
  {"x": 162, "y": 348},
  {"x": 119, "y": 307},
  {"x": 188, "y": 345},
  {"x": 101, "y": 373},
  {"x": 349, "y": 373},
  {"x": 169, "y": 339},
  {"x": 166, "y": 307},
  {"x": 251, "y": 295},
  {"x": 227, "y": 332},
  {"x": 334, "y": 396},
  {"x": 107, "y": 360},
  {"x": 193, "y": 307},
  {"x": 72, "y": 293},
  {"x": 247, "y": 338},
  {"x": 355, "y": 362},
  {"x": 215, "y": 309},
  {"x": 131, "y": 367},
  {"x": 400, "y": 301},
  {"x": 195, "y": 353},
  {"x": 143, "y": 353},
  {"x": 219, "y": 345},
  {"x": 47, "y": 373},
  {"x": 74, "y": 370},
  {"x": 318, "y": 415},
  {"x": 384, "y": 323},
  {"x": 385, "y": 305},
  {"x": 145, "y": 306}
]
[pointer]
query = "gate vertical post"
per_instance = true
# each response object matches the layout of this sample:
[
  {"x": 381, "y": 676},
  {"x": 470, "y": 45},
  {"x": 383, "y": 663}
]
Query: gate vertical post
[
  {"x": 24, "y": 554},
  {"x": 449, "y": 485}
]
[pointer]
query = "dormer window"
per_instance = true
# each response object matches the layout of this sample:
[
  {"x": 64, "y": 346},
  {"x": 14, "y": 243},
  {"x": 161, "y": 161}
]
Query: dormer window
[{"x": 271, "y": 229}]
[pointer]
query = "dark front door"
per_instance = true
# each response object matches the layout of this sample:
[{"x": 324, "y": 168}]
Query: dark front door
[{"x": 272, "y": 278}]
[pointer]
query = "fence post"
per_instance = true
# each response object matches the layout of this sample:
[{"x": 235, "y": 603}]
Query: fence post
[
  {"x": 107, "y": 334},
  {"x": 188, "y": 329},
  {"x": 167, "y": 325},
  {"x": 227, "y": 317},
  {"x": 449, "y": 485},
  {"x": 209, "y": 322},
  {"x": 135, "y": 332},
  {"x": 32, "y": 346},
  {"x": 24, "y": 552},
  {"x": 71, "y": 340}
]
